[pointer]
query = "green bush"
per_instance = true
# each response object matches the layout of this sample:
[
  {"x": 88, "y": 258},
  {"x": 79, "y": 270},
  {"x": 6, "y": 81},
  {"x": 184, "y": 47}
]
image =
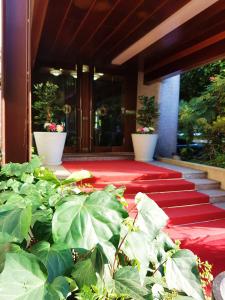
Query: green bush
[
  {"x": 59, "y": 242},
  {"x": 206, "y": 115}
]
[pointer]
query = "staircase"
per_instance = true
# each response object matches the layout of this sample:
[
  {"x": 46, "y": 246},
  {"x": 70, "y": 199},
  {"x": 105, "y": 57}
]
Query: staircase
[{"x": 195, "y": 205}]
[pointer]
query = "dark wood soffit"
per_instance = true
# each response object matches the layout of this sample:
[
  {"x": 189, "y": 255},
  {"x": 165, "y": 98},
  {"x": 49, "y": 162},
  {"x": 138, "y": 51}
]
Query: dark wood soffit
[
  {"x": 205, "y": 25},
  {"x": 159, "y": 12},
  {"x": 187, "y": 52},
  {"x": 73, "y": 34},
  {"x": 39, "y": 14},
  {"x": 203, "y": 56}
]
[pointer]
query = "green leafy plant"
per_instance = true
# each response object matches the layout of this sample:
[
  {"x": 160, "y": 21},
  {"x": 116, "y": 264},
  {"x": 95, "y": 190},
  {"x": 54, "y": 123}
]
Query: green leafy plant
[
  {"x": 147, "y": 114},
  {"x": 58, "y": 242},
  {"x": 206, "y": 115},
  {"x": 45, "y": 105}
]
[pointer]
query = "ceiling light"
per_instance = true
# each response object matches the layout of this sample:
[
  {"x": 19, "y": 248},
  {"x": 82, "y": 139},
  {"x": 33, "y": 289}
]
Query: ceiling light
[
  {"x": 73, "y": 74},
  {"x": 55, "y": 72},
  {"x": 85, "y": 68}
]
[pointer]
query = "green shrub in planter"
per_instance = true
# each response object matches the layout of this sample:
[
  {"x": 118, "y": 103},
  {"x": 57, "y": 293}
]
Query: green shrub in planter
[{"x": 58, "y": 242}]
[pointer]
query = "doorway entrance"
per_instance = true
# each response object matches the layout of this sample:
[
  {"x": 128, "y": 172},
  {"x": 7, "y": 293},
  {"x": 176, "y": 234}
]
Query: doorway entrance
[
  {"x": 108, "y": 114},
  {"x": 98, "y": 111}
]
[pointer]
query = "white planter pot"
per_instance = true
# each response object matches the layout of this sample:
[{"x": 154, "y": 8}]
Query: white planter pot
[
  {"x": 50, "y": 146},
  {"x": 144, "y": 146}
]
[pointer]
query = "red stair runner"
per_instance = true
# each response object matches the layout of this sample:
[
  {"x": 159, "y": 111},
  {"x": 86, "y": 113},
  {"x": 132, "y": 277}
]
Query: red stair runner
[
  {"x": 175, "y": 195},
  {"x": 150, "y": 186},
  {"x": 117, "y": 170},
  {"x": 206, "y": 239},
  {"x": 179, "y": 198},
  {"x": 194, "y": 213}
]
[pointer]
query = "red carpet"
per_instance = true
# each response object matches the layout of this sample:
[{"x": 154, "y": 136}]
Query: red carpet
[
  {"x": 150, "y": 186},
  {"x": 195, "y": 213},
  {"x": 204, "y": 232},
  {"x": 206, "y": 239},
  {"x": 178, "y": 198},
  {"x": 116, "y": 170}
]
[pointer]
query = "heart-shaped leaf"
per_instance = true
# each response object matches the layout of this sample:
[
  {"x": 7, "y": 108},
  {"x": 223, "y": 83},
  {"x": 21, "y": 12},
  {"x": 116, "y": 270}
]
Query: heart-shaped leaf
[
  {"x": 151, "y": 218},
  {"x": 15, "y": 220},
  {"x": 87, "y": 220},
  {"x": 182, "y": 274},
  {"x": 127, "y": 281},
  {"x": 56, "y": 258},
  {"x": 24, "y": 278}
]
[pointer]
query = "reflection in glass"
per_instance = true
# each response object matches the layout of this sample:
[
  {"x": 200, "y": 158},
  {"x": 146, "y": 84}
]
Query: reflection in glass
[
  {"x": 107, "y": 103},
  {"x": 66, "y": 97}
]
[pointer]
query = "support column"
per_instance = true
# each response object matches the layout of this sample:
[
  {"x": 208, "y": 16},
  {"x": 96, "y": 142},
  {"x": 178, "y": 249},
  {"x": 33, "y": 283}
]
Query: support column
[
  {"x": 16, "y": 80},
  {"x": 168, "y": 120},
  {"x": 166, "y": 93}
]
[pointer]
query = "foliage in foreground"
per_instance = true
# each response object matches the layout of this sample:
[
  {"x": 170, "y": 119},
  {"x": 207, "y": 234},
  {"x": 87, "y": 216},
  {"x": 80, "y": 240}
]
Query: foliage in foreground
[
  {"x": 206, "y": 115},
  {"x": 57, "y": 242}
]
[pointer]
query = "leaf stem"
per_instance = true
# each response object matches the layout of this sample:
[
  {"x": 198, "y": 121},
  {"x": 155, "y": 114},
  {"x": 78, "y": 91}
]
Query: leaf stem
[{"x": 120, "y": 245}]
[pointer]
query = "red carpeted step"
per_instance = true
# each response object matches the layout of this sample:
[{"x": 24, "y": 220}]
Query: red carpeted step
[
  {"x": 174, "y": 198},
  {"x": 193, "y": 213},
  {"x": 206, "y": 239},
  {"x": 149, "y": 186},
  {"x": 121, "y": 170}
]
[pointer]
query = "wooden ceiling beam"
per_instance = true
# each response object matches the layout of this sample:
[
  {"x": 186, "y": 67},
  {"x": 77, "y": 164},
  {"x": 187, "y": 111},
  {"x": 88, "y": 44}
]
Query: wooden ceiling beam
[
  {"x": 210, "y": 51},
  {"x": 139, "y": 3},
  {"x": 134, "y": 29},
  {"x": 39, "y": 14},
  {"x": 61, "y": 26},
  {"x": 80, "y": 26},
  {"x": 204, "y": 44},
  {"x": 198, "y": 29},
  {"x": 100, "y": 24},
  {"x": 161, "y": 11}
]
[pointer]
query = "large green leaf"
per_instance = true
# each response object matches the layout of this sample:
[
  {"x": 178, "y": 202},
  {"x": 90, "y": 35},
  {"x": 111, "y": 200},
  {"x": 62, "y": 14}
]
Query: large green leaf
[
  {"x": 151, "y": 218},
  {"x": 5, "y": 245},
  {"x": 15, "y": 219},
  {"x": 182, "y": 274},
  {"x": 127, "y": 281},
  {"x": 87, "y": 220},
  {"x": 56, "y": 258},
  {"x": 24, "y": 278},
  {"x": 143, "y": 254},
  {"x": 84, "y": 273},
  {"x": 76, "y": 177}
]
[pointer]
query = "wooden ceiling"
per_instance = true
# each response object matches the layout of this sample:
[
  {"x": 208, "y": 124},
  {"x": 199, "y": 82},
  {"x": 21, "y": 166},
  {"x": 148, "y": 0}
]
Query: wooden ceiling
[{"x": 66, "y": 32}]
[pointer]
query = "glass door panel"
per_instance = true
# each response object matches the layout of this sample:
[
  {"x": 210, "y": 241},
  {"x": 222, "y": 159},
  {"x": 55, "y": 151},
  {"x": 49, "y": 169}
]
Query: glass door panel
[
  {"x": 67, "y": 99},
  {"x": 108, "y": 112}
]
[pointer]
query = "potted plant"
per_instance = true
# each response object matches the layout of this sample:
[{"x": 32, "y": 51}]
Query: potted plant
[
  {"x": 50, "y": 137},
  {"x": 144, "y": 140}
]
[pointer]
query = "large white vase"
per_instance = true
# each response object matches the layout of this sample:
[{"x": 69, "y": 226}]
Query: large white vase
[
  {"x": 50, "y": 146},
  {"x": 144, "y": 146}
]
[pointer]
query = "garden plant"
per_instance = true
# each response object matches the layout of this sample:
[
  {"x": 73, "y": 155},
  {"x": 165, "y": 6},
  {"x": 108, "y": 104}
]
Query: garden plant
[
  {"x": 205, "y": 116},
  {"x": 61, "y": 241}
]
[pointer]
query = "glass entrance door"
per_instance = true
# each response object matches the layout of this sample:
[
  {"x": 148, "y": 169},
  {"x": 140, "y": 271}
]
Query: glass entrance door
[{"x": 108, "y": 117}]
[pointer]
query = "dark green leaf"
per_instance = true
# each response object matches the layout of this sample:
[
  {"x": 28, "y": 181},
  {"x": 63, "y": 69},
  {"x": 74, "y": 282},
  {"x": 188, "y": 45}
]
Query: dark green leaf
[
  {"x": 56, "y": 258},
  {"x": 127, "y": 281},
  {"x": 84, "y": 273},
  {"x": 15, "y": 220}
]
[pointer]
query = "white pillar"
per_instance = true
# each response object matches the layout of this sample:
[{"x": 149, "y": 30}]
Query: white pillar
[
  {"x": 166, "y": 93},
  {"x": 168, "y": 120}
]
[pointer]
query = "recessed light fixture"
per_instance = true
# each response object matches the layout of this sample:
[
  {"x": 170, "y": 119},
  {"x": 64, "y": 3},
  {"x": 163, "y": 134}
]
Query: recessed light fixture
[
  {"x": 85, "y": 68},
  {"x": 55, "y": 72}
]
